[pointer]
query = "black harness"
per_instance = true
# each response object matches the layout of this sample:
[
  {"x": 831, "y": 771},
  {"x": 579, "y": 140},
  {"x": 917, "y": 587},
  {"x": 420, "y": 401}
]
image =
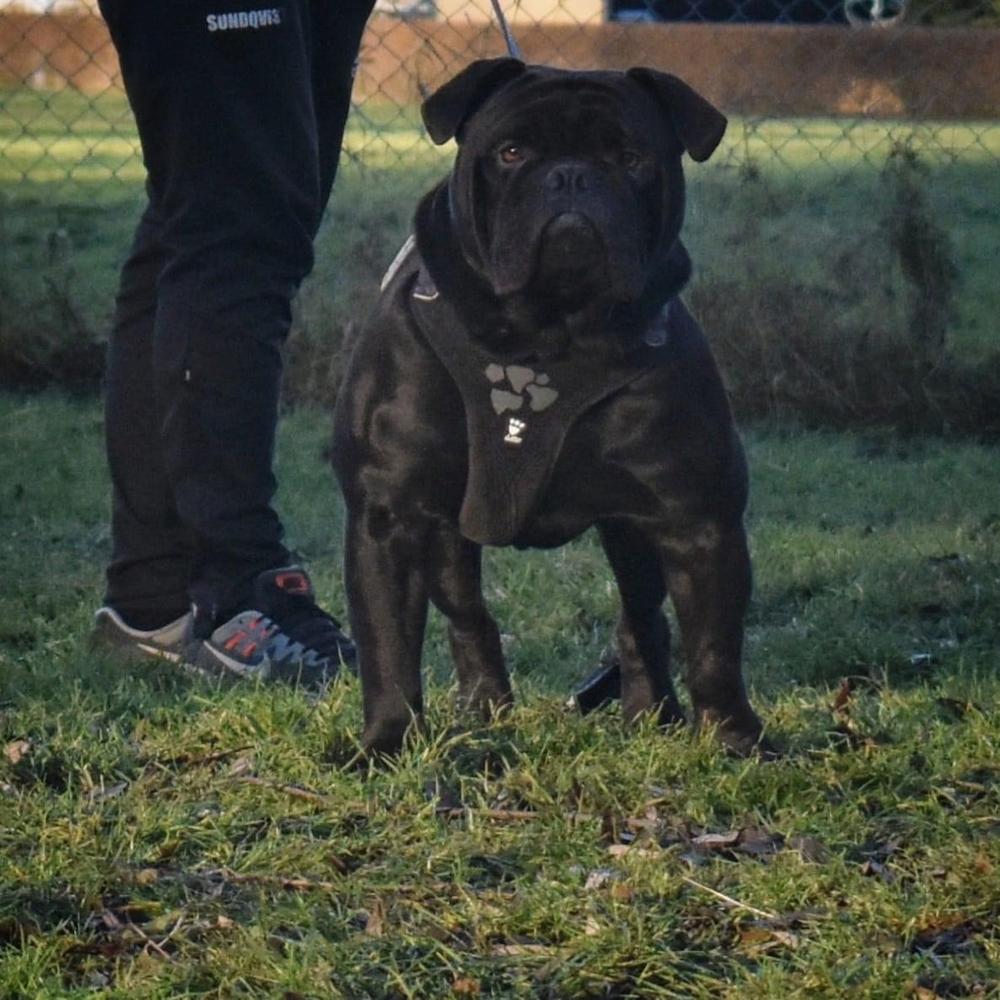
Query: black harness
[{"x": 518, "y": 415}]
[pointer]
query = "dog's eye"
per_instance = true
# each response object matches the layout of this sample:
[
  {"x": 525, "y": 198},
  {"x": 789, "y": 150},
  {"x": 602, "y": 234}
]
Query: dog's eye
[
  {"x": 511, "y": 153},
  {"x": 630, "y": 159}
]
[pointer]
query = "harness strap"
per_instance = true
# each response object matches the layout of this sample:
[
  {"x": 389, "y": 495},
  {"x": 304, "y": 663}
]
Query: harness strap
[{"x": 517, "y": 415}]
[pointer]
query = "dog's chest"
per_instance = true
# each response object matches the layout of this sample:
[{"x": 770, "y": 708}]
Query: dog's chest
[{"x": 533, "y": 437}]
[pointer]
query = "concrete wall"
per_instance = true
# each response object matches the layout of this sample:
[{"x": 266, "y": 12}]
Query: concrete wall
[{"x": 758, "y": 69}]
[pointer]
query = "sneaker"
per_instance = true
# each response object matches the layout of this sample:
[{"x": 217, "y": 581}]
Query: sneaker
[
  {"x": 285, "y": 636},
  {"x": 173, "y": 641}
]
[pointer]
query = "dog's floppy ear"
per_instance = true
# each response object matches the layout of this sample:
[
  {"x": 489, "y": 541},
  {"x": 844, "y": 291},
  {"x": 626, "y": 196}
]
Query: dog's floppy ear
[
  {"x": 447, "y": 108},
  {"x": 698, "y": 124}
]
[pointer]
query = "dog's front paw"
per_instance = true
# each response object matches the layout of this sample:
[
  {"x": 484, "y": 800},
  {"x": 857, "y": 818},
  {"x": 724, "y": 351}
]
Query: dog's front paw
[
  {"x": 742, "y": 734},
  {"x": 385, "y": 737},
  {"x": 485, "y": 701}
]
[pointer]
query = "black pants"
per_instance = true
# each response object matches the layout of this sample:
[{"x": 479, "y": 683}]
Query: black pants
[{"x": 240, "y": 111}]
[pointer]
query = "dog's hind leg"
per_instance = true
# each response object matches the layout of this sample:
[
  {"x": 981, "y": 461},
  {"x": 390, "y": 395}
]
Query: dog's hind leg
[
  {"x": 642, "y": 636},
  {"x": 708, "y": 575},
  {"x": 387, "y": 594},
  {"x": 454, "y": 581}
]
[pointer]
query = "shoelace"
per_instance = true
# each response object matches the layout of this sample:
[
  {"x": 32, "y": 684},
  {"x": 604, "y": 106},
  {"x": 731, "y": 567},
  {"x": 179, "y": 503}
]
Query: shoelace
[
  {"x": 254, "y": 636},
  {"x": 304, "y": 622}
]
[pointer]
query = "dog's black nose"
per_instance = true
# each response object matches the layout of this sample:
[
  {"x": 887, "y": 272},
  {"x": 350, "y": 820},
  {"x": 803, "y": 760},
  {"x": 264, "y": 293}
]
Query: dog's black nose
[{"x": 566, "y": 178}]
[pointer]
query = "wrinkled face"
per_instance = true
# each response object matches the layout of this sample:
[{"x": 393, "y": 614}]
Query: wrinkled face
[{"x": 568, "y": 186}]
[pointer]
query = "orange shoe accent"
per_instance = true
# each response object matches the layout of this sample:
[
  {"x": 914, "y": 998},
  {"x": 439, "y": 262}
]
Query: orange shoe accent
[{"x": 292, "y": 583}]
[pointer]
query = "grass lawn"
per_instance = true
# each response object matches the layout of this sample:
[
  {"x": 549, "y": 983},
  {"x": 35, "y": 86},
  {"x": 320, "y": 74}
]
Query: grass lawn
[{"x": 162, "y": 837}]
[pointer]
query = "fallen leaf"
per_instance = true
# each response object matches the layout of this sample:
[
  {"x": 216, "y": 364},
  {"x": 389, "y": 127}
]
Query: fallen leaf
[
  {"x": 375, "y": 924},
  {"x": 600, "y": 877},
  {"x": 519, "y": 950},
  {"x": 811, "y": 850},
  {"x": 465, "y": 987},
  {"x": 146, "y": 876},
  {"x": 759, "y": 939},
  {"x": 621, "y": 850},
  {"x": 797, "y": 918},
  {"x": 716, "y": 841},
  {"x": 102, "y": 793},
  {"x": 591, "y": 928},
  {"x": 759, "y": 842},
  {"x": 622, "y": 893},
  {"x": 843, "y": 696},
  {"x": 17, "y": 750},
  {"x": 242, "y": 766},
  {"x": 754, "y": 935},
  {"x": 948, "y": 936},
  {"x": 648, "y": 823},
  {"x": 875, "y": 868},
  {"x": 982, "y": 864},
  {"x": 787, "y": 938}
]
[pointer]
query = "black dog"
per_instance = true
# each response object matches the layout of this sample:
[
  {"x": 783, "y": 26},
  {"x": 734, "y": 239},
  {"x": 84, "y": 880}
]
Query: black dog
[{"x": 529, "y": 373}]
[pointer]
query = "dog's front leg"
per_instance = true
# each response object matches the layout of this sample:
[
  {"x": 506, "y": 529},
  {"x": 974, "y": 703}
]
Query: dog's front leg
[
  {"x": 708, "y": 576},
  {"x": 643, "y": 636},
  {"x": 455, "y": 582},
  {"x": 387, "y": 595}
]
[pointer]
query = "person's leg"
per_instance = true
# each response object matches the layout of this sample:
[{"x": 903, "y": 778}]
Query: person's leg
[
  {"x": 228, "y": 121},
  {"x": 150, "y": 568}
]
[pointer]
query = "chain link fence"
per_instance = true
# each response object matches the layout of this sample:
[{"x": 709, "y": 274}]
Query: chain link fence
[
  {"x": 846, "y": 233},
  {"x": 808, "y": 82}
]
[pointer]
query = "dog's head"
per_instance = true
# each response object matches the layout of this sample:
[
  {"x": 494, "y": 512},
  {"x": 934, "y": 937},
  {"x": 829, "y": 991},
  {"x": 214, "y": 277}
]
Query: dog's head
[{"x": 568, "y": 185}]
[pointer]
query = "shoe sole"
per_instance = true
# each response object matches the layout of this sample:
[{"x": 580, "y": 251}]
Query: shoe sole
[
  {"x": 217, "y": 664},
  {"x": 199, "y": 658}
]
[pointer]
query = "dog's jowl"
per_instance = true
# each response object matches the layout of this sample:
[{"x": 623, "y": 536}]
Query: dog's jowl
[{"x": 530, "y": 372}]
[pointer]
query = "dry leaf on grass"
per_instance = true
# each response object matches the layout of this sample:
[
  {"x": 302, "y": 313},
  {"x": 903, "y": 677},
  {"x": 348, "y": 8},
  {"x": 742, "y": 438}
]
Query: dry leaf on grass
[
  {"x": 621, "y": 850},
  {"x": 950, "y": 935},
  {"x": 375, "y": 923},
  {"x": 622, "y": 893},
  {"x": 811, "y": 850},
  {"x": 758, "y": 939},
  {"x": 715, "y": 841},
  {"x": 525, "y": 949},
  {"x": 242, "y": 766},
  {"x": 103, "y": 793},
  {"x": 872, "y": 868},
  {"x": 17, "y": 750},
  {"x": 600, "y": 877}
]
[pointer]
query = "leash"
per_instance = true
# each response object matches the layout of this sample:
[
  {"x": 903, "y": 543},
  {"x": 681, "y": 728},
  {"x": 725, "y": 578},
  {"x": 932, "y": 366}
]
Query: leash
[{"x": 508, "y": 37}]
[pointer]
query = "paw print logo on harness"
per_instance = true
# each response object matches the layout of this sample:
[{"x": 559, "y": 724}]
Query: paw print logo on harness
[{"x": 513, "y": 385}]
